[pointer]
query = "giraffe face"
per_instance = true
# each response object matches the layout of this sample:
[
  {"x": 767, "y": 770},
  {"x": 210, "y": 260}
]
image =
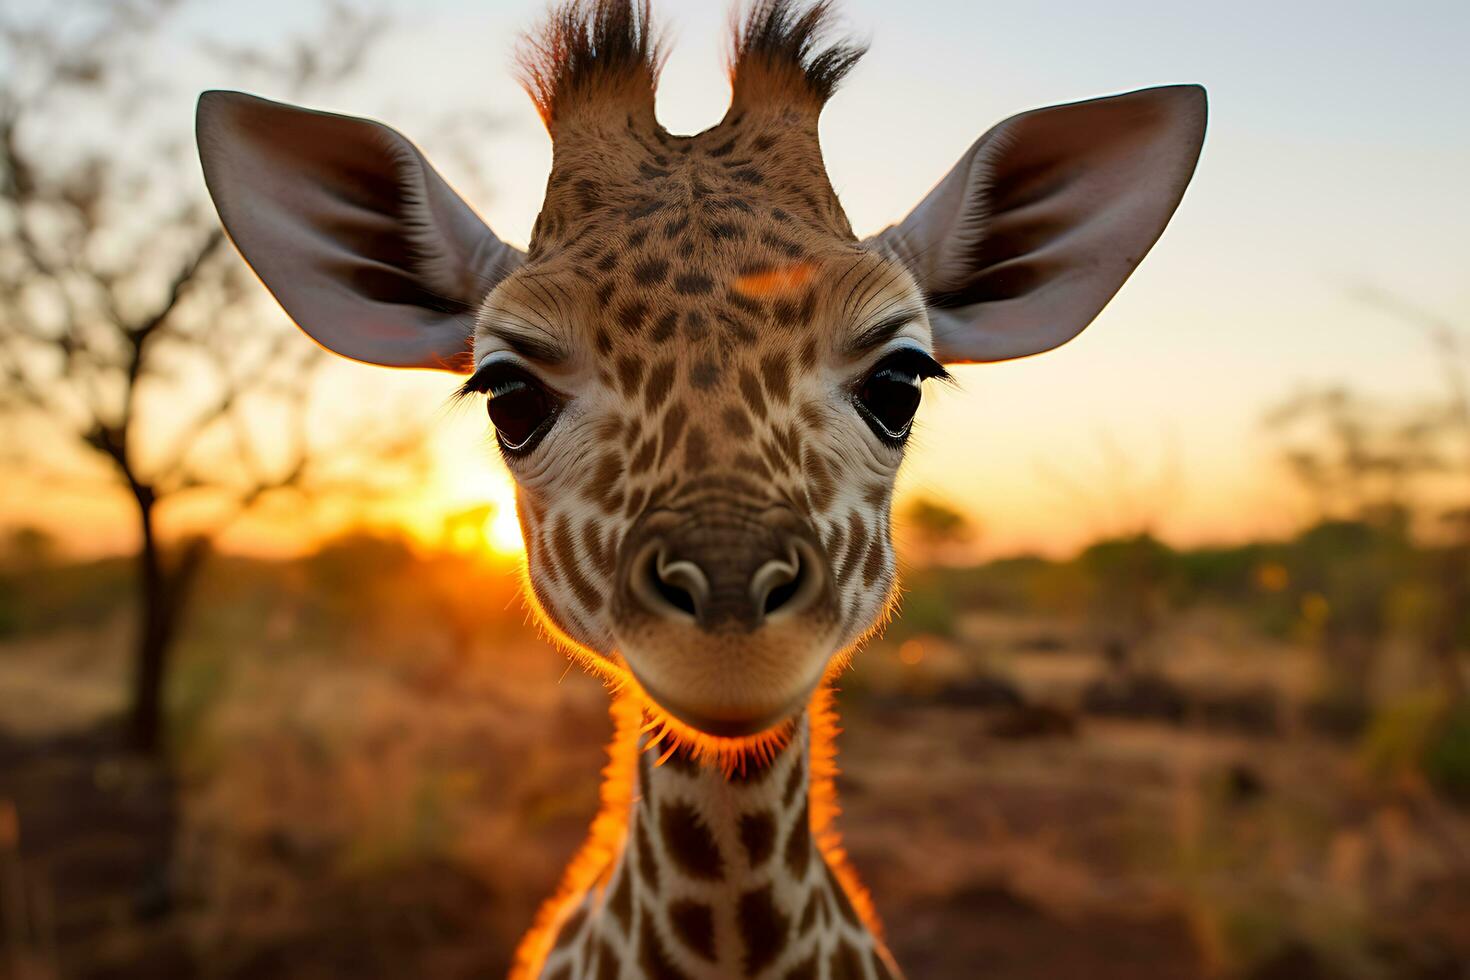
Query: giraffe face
[
  {"x": 702, "y": 385},
  {"x": 700, "y": 380}
]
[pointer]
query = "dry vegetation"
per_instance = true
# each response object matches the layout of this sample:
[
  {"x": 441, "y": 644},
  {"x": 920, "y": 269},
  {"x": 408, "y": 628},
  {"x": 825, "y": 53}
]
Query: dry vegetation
[{"x": 361, "y": 784}]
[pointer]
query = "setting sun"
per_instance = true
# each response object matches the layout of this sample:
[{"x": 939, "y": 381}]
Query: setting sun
[
  {"x": 468, "y": 506},
  {"x": 502, "y": 532}
]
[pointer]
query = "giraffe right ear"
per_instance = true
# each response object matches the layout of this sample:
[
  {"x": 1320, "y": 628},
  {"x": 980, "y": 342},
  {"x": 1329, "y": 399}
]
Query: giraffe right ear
[
  {"x": 1045, "y": 217},
  {"x": 359, "y": 239}
]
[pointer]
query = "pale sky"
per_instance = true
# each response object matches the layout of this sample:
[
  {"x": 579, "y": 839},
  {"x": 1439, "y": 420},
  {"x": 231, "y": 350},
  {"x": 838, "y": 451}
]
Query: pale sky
[{"x": 1336, "y": 158}]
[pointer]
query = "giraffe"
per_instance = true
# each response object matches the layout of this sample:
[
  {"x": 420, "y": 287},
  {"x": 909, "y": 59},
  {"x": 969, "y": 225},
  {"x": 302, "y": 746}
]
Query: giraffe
[{"x": 702, "y": 382}]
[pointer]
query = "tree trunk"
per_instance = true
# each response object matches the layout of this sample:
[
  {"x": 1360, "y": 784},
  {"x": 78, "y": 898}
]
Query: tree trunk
[
  {"x": 155, "y": 629},
  {"x": 163, "y": 592}
]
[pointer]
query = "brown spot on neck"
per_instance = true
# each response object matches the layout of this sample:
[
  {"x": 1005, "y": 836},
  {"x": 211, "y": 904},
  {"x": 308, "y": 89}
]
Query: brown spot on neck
[
  {"x": 764, "y": 929},
  {"x": 689, "y": 842},
  {"x": 694, "y": 925}
]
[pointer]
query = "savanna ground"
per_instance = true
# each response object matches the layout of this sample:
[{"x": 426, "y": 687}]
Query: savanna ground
[{"x": 377, "y": 770}]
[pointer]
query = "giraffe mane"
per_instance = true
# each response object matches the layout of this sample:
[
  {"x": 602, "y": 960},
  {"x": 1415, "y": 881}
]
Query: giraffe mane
[
  {"x": 787, "y": 46},
  {"x": 590, "y": 51}
]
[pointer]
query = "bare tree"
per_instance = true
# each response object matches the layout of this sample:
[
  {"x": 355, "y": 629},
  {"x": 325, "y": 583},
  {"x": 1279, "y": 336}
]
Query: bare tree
[{"x": 129, "y": 332}]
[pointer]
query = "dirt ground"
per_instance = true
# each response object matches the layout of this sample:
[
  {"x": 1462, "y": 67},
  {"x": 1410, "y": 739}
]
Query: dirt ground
[{"x": 332, "y": 816}]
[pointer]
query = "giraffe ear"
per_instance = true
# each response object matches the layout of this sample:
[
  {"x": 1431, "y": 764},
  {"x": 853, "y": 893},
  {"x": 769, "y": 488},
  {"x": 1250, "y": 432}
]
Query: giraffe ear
[
  {"x": 1041, "y": 222},
  {"x": 350, "y": 228}
]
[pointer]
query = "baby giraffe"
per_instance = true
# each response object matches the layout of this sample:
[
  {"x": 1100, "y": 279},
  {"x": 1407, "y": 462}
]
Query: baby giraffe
[{"x": 702, "y": 383}]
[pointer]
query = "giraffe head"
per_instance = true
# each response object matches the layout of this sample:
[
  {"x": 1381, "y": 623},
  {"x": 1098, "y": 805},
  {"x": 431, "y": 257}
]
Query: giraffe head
[{"x": 700, "y": 379}]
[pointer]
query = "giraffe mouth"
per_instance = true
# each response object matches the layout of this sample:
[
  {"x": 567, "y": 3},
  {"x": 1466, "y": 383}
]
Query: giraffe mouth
[{"x": 731, "y": 716}]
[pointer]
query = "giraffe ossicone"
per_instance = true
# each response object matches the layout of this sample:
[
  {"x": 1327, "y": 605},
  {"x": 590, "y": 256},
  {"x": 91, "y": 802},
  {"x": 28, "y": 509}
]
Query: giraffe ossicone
[{"x": 702, "y": 383}]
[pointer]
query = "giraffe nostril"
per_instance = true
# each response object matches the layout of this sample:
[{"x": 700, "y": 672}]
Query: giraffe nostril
[
  {"x": 781, "y": 594},
  {"x": 671, "y": 588},
  {"x": 677, "y": 583},
  {"x": 775, "y": 583},
  {"x": 782, "y": 588}
]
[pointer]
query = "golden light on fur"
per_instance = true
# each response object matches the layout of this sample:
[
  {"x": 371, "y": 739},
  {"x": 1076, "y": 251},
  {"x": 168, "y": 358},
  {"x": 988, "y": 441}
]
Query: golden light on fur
[
  {"x": 604, "y": 843},
  {"x": 775, "y": 282},
  {"x": 634, "y": 716}
]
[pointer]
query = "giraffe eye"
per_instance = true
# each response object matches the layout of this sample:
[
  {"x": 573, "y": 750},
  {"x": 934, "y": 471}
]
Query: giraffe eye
[
  {"x": 521, "y": 408},
  {"x": 888, "y": 396}
]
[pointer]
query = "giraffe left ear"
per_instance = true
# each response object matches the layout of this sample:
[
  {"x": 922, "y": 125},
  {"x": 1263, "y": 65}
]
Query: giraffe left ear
[
  {"x": 359, "y": 238},
  {"x": 1042, "y": 221}
]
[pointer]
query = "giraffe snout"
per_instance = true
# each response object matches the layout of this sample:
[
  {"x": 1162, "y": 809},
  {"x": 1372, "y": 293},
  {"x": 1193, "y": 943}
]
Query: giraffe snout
[
  {"x": 673, "y": 584},
  {"x": 728, "y": 575}
]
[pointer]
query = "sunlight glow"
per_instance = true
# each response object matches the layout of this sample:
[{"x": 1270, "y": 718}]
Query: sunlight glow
[
  {"x": 503, "y": 531},
  {"x": 469, "y": 507},
  {"x": 492, "y": 486}
]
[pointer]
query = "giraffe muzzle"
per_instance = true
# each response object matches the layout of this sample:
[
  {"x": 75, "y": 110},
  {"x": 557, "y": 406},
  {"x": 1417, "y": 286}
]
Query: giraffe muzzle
[{"x": 726, "y": 617}]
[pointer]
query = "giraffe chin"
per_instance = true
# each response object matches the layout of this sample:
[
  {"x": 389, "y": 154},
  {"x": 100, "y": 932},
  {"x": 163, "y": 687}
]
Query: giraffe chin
[
  {"x": 728, "y": 727},
  {"x": 734, "y": 699}
]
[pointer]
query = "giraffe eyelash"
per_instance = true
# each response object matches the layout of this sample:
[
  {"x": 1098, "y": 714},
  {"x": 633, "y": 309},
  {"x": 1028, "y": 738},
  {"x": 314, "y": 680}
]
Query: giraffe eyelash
[
  {"x": 492, "y": 377},
  {"x": 522, "y": 407},
  {"x": 919, "y": 361}
]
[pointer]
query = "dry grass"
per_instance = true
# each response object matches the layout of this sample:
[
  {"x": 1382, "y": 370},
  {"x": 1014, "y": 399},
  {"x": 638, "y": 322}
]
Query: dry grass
[{"x": 377, "y": 801}]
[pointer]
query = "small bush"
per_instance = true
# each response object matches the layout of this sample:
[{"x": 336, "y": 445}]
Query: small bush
[
  {"x": 1397, "y": 735},
  {"x": 1425, "y": 735},
  {"x": 927, "y": 609},
  {"x": 1446, "y": 755}
]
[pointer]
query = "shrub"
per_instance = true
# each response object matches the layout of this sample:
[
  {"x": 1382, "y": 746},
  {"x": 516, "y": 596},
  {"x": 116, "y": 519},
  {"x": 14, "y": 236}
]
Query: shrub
[{"x": 1446, "y": 755}]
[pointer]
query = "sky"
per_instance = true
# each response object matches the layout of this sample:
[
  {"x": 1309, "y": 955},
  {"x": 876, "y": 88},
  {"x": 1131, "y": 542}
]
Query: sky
[{"x": 1335, "y": 160}]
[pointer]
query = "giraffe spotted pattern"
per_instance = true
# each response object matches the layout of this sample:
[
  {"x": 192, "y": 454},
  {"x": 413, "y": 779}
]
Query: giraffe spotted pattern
[
  {"x": 709, "y": 319},
  {"x": 690, "y": 896},
  {"x": 702, "y": 314}
]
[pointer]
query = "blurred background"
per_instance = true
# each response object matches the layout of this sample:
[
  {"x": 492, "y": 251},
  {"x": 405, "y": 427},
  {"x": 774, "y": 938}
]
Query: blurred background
[{"x": 1179, "y": 688}]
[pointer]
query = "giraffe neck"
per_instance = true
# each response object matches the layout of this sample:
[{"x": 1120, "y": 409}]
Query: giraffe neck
[{"x": 714, "y": 874}]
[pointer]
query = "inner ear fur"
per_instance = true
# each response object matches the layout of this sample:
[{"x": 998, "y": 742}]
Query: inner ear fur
[
  {"x": 352, "y": 230},
  {"x": 1041, "y": 222}
]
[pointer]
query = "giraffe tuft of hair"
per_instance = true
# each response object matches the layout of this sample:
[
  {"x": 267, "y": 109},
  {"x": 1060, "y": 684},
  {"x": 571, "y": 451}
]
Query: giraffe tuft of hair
[
  {"x": 589, "y": 52},
  {"x": 789, "y": 45}
]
